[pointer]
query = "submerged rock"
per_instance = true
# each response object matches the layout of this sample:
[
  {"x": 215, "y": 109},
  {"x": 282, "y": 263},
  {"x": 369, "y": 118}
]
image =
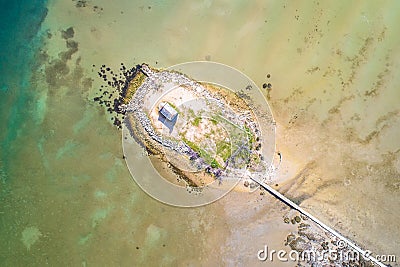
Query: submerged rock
[
  {"x": 68, "y": 33},
  {"x": 299, "y": 244}
]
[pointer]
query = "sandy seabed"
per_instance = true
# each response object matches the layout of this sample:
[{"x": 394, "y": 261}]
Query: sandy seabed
[{"x": 334, "y": 96}]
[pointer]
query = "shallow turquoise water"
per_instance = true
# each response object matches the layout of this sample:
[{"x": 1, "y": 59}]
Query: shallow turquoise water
[
  {"x": 65, "y": 192},
  {"x": 19, "y": 40}
]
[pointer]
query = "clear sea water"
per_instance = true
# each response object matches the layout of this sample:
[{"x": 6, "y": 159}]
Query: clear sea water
[
  {"x": 66, "y": 196},
  {"x": 61, "y": 168},
  {"x": 19, "y": 40}
]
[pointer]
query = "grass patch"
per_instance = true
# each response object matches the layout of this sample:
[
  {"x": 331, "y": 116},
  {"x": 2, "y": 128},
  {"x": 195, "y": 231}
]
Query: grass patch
[
  {"x": 224, "y": 150},
  {"x": 133, "y": 86},
  {"x": 196, "y": 121},
  {"x": 203, "y": 154},
  {"x": 191, "y": 113},
  {"x": 250, "y": 136},
  {"x": 214, "y": 164},
  {"x": 256, "y": 159},
  {"x": 172, "y": 105}
]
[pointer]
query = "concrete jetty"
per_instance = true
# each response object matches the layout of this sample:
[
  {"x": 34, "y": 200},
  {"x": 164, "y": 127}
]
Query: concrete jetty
[{"x": 365, "y": 253}]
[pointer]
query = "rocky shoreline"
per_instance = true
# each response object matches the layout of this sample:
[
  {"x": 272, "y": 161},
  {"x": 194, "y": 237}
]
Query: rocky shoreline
[{"x": 313, "y": 245}]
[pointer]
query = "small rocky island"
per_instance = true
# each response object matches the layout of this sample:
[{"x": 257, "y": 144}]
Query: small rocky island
[{"x": 204, "y": 131}]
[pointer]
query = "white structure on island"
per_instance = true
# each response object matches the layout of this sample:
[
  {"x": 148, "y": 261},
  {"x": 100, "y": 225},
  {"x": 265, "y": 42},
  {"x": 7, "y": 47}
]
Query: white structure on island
[{"x": 167, "y": 111}]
